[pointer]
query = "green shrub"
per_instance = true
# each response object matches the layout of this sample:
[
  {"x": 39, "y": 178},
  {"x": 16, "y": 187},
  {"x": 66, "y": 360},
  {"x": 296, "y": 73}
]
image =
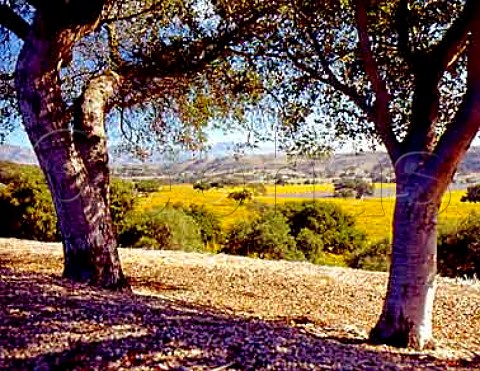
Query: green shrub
[
  {"x": 374, "y": 257},
  {"x": 122, "y": 199},
  {"x": 172, "y": 229},
  {"x": 459, "y": 249},
  {"x": 317, "y": 225},
  {"x": 146, "y": 242},
  {"x": 217, "y": 184},
  {"x": 148, "y": 185},
  {"x": 311, "y": 244},
  {"x": 10, "y": 172},
  {"x": 27, "y": 207},
  {"x": 209, "y": 224},
  {"x": 352, "y": 188},
  {"x": 267, "y": 237},
  {"x": 27, "y": 211}
]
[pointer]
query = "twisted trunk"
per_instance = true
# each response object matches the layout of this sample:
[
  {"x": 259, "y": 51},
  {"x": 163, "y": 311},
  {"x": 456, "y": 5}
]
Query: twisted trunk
[
  {"x": 89, "y": 129},
  {"x": 89, "y": 243}
]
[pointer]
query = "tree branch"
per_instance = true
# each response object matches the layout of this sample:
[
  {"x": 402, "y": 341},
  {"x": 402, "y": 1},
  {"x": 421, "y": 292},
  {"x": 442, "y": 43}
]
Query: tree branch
[
  {"x": 13, "y": 22},
  {"x": 332, "y": 80},
  {"x": 428, "y": 70},
  {"x": 403, "y": 29},
  {"x": 150, "y": 9},
  {"x": 327, "y": 76},
  {"x": 37, "y": 4},
  {"x": 452, "y": 45},
  {"x": 459, "y": 135},
  {"x": 173, "y": 60},
  {"x": 115, "y": 57},
  {"x": 379, "y": 86}
]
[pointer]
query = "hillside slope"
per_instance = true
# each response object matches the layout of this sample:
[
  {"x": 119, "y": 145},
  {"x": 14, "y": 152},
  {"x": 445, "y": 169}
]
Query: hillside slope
[
  {"x": 214, "y": 312},
  {"x": 266, "y": 163}
]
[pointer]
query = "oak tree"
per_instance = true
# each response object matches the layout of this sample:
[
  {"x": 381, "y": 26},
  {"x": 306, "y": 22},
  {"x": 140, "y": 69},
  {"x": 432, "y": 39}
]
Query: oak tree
[
  {"x": 77, "y": 62},
  {"x": 407, "y": 74}
]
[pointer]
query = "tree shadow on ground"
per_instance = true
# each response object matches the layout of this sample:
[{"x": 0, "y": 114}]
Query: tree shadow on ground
[{"x": 50, "y": 323}]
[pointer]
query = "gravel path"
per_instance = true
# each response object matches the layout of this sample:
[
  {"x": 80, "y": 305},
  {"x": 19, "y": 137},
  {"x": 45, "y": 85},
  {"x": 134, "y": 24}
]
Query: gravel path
[{"x": 214, "y": 312}]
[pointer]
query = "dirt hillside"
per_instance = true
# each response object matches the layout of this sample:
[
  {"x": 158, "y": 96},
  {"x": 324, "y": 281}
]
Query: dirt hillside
[{"x": 214, "y": 312}]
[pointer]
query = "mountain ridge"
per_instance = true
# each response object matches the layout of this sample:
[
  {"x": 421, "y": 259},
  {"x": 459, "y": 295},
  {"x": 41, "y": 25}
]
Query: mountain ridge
[{"x": 222, "y": 162}]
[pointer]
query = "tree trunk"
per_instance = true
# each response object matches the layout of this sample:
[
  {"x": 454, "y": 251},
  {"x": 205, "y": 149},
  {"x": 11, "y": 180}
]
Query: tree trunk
[
  {"x": 89, "y": 129},
  {"x": 89, "y": 243},
  {"x": 406, "y": 319}
]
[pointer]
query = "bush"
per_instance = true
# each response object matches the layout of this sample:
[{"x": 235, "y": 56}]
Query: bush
[
  {"x": 473, "y": 194},
  {"x": 241, "y": 196},
  {"x": 344, "y": 193},
  {"x": 27, "y": 211},
  {"x": 267, "y": 237},
  {"x": 352, "y": 187},
  {"x": 311, "y": 244},
  {"x": 10, "y": 172},
  {"x": 122, "y": 199},
  {"x": 459, "y": 249},
  {"x": 217, "y": 184},
  {"x": 317, "y": 225},
  {"x": 27, "y": 207},
  {"x": 148, "y": 185},
  {"x": 208, "y": 222},
  {"x": 374, "y": 257},
  {"x": 171, "y": 229},
  {"x": 201, "y": 186}
]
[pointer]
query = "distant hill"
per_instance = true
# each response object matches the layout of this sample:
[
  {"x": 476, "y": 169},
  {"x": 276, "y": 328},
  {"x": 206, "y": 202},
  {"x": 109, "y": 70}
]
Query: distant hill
[
  {"x": 17, "y": 154},
  {"x": 220, "y": 161},
  {"x": 264, "y": 166}
]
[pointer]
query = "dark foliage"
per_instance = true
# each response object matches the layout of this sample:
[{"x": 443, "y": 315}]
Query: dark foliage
[
  {"x": 323, "y": 226},
  {"x": 267, "y": 237},
  {"x": 473, "y": 194},
  {"x": 459, "y": 249}
]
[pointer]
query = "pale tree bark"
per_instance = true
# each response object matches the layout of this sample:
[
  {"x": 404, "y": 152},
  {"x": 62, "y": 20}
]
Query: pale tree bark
[
  {"x": 423, "y": 174},
  {"x": 424, "y": 166},
  {"x": 407, "y": 315},
  {"x": 90, "y": 248}
]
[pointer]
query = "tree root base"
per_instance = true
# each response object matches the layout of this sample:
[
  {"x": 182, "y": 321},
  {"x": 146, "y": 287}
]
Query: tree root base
[{"x": 380, "y": 335}]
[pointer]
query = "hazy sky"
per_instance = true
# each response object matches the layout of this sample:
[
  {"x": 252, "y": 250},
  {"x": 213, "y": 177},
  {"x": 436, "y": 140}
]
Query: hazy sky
[{"x": 19, "y": 137}]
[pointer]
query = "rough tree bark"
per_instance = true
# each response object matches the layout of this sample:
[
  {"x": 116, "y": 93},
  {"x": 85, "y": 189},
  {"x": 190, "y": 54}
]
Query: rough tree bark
[
  {"x": 89, "y": 134},
  {"x": 78, "y": 192}
]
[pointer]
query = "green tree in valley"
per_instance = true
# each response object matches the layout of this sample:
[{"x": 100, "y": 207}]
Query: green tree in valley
[
  {"x": 241, "y": 196},
  {"x": 352, "y": 187},
  {"x": 473, "y": 194}
]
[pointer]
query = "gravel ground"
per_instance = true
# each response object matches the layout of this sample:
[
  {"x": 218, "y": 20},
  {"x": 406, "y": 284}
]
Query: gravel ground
[{"x": 214, "y": 312}]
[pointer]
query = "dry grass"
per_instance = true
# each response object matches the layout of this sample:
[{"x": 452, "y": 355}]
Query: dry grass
[{"x": 193, "y": 311}]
